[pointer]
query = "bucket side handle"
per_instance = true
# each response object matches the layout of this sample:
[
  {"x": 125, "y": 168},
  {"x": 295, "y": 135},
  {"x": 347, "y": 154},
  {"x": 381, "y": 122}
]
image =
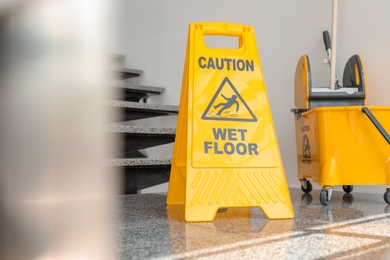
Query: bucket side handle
[
  {"x": 302, "y": 83},
  {"x": 376, "y": 123}
]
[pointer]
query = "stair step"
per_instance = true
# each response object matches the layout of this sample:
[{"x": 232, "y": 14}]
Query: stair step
[
  {"x": 135, "y": 106},
  {"x": 143, "y": 173},
  {"x": 135, "y": 180},
  {"x": 136, "y": 137},
  {"x": 126, "y": 73},
  {"x": 138, "y": 163},
  {"x": 134, "y": 110},
  {"x": 139, "y": 130},
  {"x": 135, "y": 92},
  {"x": 135, "y": 154}
]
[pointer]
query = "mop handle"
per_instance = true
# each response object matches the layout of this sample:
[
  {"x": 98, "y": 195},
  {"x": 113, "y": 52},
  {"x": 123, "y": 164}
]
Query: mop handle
[
  {"x": 376, "y": 123},
  {"x": 334, "y": 40}
]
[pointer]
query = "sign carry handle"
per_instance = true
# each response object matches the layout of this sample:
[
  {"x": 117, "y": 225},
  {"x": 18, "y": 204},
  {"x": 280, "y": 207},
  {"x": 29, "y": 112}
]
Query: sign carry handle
[{"x": 224, "y": 29}]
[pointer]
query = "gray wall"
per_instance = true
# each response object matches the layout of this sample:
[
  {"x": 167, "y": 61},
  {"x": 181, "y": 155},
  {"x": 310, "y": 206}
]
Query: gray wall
[{"x": 153, "y": 36}]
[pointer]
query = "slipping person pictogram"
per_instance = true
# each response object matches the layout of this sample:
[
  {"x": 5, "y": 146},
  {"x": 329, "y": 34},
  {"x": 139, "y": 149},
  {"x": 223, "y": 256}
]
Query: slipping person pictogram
[
  {"x": 219, "y": 109},
  {"x": 306, "y": 147},
  {"x": 230, "y": 102}
]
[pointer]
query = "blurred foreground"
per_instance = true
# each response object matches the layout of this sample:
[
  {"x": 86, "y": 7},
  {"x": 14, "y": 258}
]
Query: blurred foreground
[{"x": 56, "y": 196}]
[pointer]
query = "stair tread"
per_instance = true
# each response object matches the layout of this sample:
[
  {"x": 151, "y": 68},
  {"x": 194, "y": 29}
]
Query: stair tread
[
  {"x": 138, "y": 87},
  {"x": 142, "y": 106},
  {"x": 138, "y": 162},
  {"x": 125, "y": 129},
  {"x": 131, "y": 71},
  {"x": 132, "y": 110}
]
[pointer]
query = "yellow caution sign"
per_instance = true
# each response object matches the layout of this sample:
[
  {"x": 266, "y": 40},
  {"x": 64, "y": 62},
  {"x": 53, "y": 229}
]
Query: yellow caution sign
[{"x": 226, "y": 152}]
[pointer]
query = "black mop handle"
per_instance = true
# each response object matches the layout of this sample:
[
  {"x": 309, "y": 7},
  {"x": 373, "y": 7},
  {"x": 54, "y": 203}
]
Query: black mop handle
[
  {"x": 326, "y": 36},
  {"x": 378, "y": 126}
]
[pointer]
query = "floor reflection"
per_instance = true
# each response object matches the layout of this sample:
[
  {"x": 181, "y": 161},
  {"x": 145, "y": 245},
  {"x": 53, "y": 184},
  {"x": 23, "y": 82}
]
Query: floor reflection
[
  {"x": 307, "y": 199},
  {"x": 351, "y": 226},
  {"x": 232, "y": 226},
  {"x": 313, "y": 215}
]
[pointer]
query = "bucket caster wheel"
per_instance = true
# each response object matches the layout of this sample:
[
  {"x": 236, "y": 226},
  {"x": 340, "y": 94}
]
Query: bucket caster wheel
[
  {"x": 325, "y": 195},
  {"x": 386, "y": 196},
  {"x": 348, "y": 188},
  {"x": 306, "y": 186}
]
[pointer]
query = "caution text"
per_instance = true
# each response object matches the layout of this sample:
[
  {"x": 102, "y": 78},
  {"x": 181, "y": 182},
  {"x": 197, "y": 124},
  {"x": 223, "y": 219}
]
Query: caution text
[
  {"x": 225, "y": 64},
  {"x": 230, "y": 141}
]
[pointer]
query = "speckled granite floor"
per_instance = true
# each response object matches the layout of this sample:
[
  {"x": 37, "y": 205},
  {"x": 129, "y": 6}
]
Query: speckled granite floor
[{"x": 353, "y": 226}]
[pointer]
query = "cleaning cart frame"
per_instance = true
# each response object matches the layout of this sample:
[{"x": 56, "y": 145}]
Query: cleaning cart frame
[{"x": 339, "y": 140}]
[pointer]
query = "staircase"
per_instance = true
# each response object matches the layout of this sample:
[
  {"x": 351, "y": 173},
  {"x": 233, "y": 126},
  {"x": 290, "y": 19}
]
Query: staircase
[{"x": 130, "y": 126}]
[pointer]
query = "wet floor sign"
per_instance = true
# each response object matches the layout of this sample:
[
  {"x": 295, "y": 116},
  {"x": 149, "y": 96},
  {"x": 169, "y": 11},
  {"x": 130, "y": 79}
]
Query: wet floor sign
[{"x": 226, "y": 152}]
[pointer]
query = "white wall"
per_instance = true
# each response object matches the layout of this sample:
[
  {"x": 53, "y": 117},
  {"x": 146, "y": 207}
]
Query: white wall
[{"x": 155, "y": 33}]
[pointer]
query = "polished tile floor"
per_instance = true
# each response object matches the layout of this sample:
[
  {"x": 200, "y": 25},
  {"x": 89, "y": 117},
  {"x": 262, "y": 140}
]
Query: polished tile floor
[{"x": 353, "y": 226}]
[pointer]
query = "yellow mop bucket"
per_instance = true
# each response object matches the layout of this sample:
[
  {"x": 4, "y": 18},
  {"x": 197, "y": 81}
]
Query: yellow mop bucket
[
  {"x": 339, "y": 140},
  {"x": 226, "y": 152}
]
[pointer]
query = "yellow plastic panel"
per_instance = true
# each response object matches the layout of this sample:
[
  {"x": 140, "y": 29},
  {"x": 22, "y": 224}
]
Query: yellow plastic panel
[
  {"x": 226, "y": 152},
  {"x": 345, "y": 147},
  {"x": 302, "y": 83}
]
